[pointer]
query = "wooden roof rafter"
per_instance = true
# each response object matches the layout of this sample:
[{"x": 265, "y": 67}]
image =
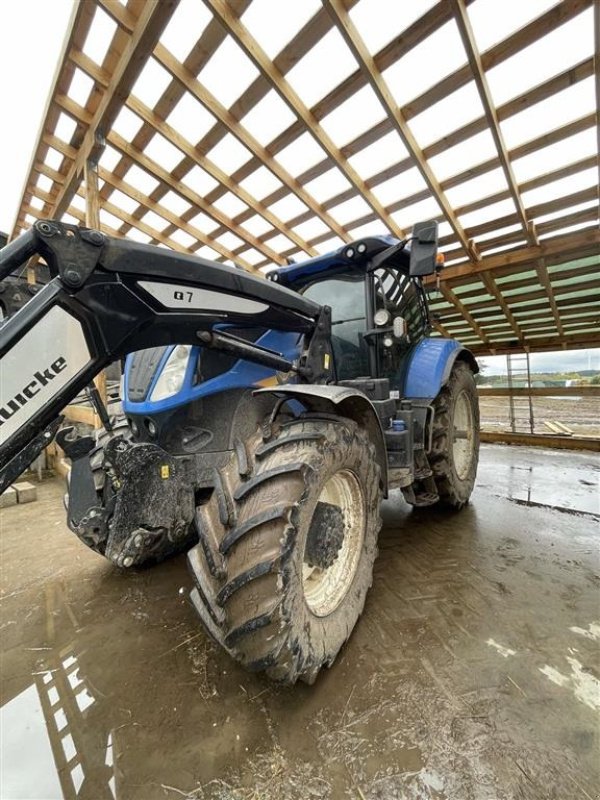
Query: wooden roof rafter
[
  {"x": 503, "y": 238},
  {"x": 367, "y": 64},
  {"x": 242, "y": 36}
]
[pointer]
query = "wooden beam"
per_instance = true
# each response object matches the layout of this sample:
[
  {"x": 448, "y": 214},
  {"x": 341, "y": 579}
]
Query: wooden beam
[
  {"x": 237, "y": 129},
  {"x": 568, "y": 244},
  {"x": 92, "y": 220},
  {"x": 232, "y": 24},
  {"x": 540, "y": 391},
  {"x": 454, "y": 300},
  {"x": 491, "y": 286},
  {"x": 202, "y": 238},
  {"x": 84, "y": 414},
  {"x": 150, "y": 24},
  {"x": 541, "y": 440},
  {"x": 491, "y": 115},
  {"x": 359, "y": 50},
  {"x": 597, "y": 82},
  {"x": 542, "y": 345}
]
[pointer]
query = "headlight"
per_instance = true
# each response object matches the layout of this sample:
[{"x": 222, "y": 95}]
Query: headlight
[
  {"x": 382, "y": 317},
  {"x": 173, "y": 373}
]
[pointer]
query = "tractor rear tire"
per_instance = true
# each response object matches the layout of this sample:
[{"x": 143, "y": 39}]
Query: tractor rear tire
[
  {"x": 455, "y": 442},
  {"x": 286, "y": 546}
]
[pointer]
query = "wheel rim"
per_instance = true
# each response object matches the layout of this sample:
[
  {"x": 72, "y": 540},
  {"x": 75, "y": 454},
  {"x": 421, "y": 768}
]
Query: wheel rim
[
  {"x": 463, "y": 435},
  {"x": 324, "y": 589}
]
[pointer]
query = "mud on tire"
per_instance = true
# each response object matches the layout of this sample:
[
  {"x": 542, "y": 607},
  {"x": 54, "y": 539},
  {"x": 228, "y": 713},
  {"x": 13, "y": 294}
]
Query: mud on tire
[
  {"x": 455, "y": 442},
  {"x": 249, "y": 565}
]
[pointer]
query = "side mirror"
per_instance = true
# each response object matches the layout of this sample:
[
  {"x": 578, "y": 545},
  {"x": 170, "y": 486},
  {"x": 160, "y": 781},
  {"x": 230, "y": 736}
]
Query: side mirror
[{"x": 423, "y": 249}]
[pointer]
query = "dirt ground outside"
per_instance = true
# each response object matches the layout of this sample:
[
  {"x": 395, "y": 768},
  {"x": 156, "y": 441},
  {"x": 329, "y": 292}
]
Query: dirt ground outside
[{"x": 581, "y": 414}]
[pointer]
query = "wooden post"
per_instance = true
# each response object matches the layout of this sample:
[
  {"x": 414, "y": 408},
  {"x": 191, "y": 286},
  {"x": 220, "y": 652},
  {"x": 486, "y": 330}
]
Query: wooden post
[{"x": 92, "y": 220}]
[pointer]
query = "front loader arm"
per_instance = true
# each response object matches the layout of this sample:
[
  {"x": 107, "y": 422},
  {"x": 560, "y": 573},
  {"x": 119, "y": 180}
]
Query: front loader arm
[{"x": 109, "y": 297}]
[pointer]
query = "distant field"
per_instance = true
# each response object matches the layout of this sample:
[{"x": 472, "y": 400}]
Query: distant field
[{"x": 581, "y": 414}]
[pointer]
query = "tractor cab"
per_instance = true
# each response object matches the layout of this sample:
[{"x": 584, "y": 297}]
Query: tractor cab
[{"x": 379, "y": 307}]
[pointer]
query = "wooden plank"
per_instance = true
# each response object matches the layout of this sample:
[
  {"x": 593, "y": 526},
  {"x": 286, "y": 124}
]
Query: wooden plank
[
  {"x": 92, "y": 220},
  {"x": 150, "y": 24},
  {"x": 542, "y": 440},
  {"x": 568, "y": 244},
  {"x": 541, "y": 345},
  {"x": 377, "y": 82},
  {"x": 491, "y": 114},
  {"x": 84, "y": 414},
  {"x": 237, "y": 129},
  {"x": 540, "y": 391},
  {"x": 232, "y": 24}
]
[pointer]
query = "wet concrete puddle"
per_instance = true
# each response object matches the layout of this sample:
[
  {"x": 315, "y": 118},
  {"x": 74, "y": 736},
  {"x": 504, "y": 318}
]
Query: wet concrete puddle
[{"x": 473, "y": 674}]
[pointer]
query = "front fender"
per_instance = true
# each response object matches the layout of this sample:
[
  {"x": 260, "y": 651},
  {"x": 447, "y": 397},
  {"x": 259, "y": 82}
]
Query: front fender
[
  {"x": 344, "y": 402},
  {"x": 430, "y": 365}
]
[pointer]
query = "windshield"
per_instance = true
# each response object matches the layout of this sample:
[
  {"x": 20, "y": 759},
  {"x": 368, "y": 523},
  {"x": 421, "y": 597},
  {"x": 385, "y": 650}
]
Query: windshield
[{"x": 346, "y": 297}]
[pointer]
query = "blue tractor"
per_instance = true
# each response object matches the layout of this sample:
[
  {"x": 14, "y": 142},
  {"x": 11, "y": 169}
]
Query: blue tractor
[{"x": 263, "y": 424}]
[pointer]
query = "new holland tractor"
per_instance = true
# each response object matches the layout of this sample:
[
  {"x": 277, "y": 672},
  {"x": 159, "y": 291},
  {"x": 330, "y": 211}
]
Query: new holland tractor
[{"x": 264, "y": 421}]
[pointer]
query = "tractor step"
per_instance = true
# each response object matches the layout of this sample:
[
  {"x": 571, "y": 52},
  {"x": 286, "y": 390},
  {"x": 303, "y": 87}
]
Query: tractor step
[
  {"x": 423, "y": 473},
  {"x": 426, "y": 499}
]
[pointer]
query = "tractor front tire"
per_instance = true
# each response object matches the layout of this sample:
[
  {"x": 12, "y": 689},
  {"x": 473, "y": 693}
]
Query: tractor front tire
[
  {"x": 455, "y": 441},
  {"x": 286, "y": 546}
]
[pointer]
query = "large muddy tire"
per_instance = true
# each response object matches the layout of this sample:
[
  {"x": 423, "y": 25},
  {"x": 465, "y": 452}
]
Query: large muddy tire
[
  {"x": 286, "y": 546},
  {"x": 455, "y": 442}
]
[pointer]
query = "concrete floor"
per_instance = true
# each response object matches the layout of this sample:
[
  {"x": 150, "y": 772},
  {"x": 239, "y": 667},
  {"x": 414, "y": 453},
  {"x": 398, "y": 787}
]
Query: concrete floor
[{"x": 473, "y": 674}]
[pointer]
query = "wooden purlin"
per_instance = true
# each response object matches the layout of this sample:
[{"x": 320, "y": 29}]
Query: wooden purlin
[
  {"x": 568, "y": 244},
  {"x": 366, "y": 63},
  {"x": 493, "y": 51},
  {"x": 184, "y": 76},
  {"x": 452, "y": 298},
  {"x": 249, "y": 141},
  {"x": 597, "y": 83},
  {"x": 152, "y": 21},
  {"x": 162, "y": 175},
  {"x": 491, "y": 115},
  {"x": 135, "y": 194},
  {"x": 278, "y": 82},
  {"x": 492, "y": 288}
]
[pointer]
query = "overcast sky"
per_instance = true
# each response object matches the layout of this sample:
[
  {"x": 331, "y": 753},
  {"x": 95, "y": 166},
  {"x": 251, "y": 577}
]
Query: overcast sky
[
  {"x": 564, "y": 361},
  {"x": 31, "y": 42}
]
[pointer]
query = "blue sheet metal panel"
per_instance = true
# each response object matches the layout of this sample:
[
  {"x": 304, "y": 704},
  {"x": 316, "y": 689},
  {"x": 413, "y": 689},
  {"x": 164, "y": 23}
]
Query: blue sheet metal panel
[
  {"x": 430, "y": 366},
  {"x": 243, "y": 374}
]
